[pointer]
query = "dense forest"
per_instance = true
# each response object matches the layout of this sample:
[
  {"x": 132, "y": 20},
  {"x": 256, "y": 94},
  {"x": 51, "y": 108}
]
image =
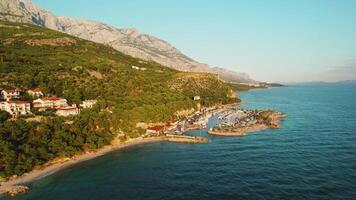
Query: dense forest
[{"x": 129, "y": 90}]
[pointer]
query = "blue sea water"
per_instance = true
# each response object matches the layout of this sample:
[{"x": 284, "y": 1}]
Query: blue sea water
[{"x": 313, "y": 156}]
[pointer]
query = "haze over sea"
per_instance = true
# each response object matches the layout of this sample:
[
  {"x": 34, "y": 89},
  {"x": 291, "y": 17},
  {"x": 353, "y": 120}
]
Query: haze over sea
[{"x": 312, "y": 157}]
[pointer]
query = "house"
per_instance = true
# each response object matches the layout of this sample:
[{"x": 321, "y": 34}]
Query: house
[
  {"x": 16, "y": 108},
  {"x": 35, "y": 92},
  {"x": 49, "y": 102},
  {"x": 158, "y": 129},
  {"x": 88, "y": 103},
  {"x": 139, "y": 68},
  {"x": 155, "y": 129},
  {"x": 67, "y": 111},
  {"x": 196, "y": 98},
  {"x": 10, "y": 94}
]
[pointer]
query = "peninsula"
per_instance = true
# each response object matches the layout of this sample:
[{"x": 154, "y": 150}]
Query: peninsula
[{"x": 239, "y": 122}]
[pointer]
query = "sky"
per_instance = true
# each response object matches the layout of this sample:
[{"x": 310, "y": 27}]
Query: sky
[{"x": 271, "y": 40}]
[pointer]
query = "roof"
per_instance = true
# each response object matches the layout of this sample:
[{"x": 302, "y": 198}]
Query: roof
[
  {"x": 157, "y": 128},
  {"x": 18, "y": 102},
  {"x": 69, "y": 108},
  {"x": 52, "y": 99},
  {"x": 10, "y": 91},
  {"x": 35, "y": 90}
]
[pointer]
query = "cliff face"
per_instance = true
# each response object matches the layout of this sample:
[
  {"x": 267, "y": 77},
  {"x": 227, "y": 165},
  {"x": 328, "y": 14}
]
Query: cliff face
[{"x": 128, "y": 41}]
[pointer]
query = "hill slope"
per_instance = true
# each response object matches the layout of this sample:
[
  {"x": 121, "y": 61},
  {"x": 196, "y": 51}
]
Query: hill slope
[
  {"x": 129, "y": 41},
  {"x": 79, "y": 69},
  {"x": 129, "y": 90}
]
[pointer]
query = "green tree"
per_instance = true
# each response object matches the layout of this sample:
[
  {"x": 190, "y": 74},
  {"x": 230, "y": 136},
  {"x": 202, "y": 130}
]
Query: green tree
[{"x": 4, "y": 116}]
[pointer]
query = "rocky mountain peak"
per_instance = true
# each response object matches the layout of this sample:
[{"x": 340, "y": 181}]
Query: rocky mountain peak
[{"x": 129, "y": 40}]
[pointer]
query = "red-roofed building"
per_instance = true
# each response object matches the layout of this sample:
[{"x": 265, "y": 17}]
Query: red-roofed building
[
  {"x": 67, "y": 111},
  {"x": 16, "y": 108},
  {"x": 155, "y": 129},
  {"x": 10, "y": 94},
  {"x": 50, "y": 102}
]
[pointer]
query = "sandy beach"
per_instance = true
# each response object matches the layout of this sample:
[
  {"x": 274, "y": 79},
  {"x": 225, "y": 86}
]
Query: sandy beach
[{"x": 46, "y": 171}]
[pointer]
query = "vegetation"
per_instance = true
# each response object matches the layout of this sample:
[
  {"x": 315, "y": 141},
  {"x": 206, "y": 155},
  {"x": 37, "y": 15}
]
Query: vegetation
[
  {"x": 24, "y": 145},
  {"x": 65, "y": 66},
  {"x": 239, "y": 87},
  {"x": 4, "y": 116}
]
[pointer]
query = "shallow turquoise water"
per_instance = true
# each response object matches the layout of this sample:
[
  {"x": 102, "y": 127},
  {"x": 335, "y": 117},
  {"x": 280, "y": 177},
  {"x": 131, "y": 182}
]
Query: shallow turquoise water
[{"x": 312, "y": 157}]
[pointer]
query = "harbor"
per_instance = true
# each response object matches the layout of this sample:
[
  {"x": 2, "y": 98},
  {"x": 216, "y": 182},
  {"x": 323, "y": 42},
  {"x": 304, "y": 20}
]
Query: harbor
[
  {"x": 232, "y": 121},
  {"x": 239, "y": 122}
]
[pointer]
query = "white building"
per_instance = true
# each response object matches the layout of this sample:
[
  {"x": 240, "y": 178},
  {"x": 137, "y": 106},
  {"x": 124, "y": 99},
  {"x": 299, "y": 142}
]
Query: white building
[
  {"x": 196, "y": 98},
  {"x": 67, "y": 111},
  {"x": 35, "y": 92},
  {"x": 10, "y": 94},
  {"x": 139, "y": 68},
  {"x": 50, "y": 102},
  {"x": 88, "y": 103},
  {"x": 16, "y": 108}
]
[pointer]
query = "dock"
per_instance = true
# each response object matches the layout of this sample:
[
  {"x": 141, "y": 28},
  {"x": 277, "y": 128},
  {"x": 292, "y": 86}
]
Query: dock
[{"x": 185, "y": 139}]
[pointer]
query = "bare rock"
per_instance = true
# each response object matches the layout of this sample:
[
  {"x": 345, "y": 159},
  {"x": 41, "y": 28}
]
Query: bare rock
[
  {"x": 129, "y": 41},
  {"x": 17, "y": 190}
]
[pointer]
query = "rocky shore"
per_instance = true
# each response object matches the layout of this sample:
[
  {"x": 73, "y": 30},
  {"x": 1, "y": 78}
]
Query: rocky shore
[
  {"x": 239, "y": 122},
  {"x": 17, "y": 190}
]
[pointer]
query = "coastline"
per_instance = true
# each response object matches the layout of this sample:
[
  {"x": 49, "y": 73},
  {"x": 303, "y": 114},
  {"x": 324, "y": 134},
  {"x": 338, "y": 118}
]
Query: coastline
[
  {"x": 51, "y": 169},
  {"x": 58, "y": 165}
]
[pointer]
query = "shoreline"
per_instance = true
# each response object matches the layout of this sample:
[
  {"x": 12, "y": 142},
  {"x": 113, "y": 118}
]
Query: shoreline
[
  {"x": 51, "y": 169},
  {"x": 54, "y": 166}
]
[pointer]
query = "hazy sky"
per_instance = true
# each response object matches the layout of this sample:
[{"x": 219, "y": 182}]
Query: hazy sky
[{"x": 272, "y": 40}]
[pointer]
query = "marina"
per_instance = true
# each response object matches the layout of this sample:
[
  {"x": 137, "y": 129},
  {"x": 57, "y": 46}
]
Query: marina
[{"x": 232, "y": 121}]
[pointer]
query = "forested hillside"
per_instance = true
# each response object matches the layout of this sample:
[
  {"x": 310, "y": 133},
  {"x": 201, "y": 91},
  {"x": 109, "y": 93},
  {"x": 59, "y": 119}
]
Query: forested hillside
[{"x": 129, "y": 91}]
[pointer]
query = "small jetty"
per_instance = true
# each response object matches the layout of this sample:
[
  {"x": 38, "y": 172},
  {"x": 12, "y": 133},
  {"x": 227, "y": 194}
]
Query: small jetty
[{"x": 185, "y": 139}]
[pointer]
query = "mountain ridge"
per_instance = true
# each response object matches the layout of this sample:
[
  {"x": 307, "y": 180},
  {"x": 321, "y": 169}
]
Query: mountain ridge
[{"x": 129, "y": 41}]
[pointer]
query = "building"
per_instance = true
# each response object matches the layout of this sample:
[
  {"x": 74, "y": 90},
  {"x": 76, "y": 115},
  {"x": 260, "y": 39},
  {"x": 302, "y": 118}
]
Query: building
[
  {"x": 67, "y": 111},
  {"x": 139, "y": 68},
  {"x": 10, "y": 94},
  {"x": 16, "y": 108},
  {"x": 50, "y": 102},
  {"x": 196, "y": 98},
  {"x": 88, "y": 103},
  {"x": 155, "y": 129},
  {"x": 35, "y": 93}
]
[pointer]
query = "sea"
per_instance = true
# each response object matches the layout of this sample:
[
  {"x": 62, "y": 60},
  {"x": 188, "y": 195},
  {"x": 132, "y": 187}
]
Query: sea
[{"x": 313, "y": 156}]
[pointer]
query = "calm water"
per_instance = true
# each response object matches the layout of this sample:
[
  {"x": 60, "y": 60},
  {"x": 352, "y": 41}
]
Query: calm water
[{"x": 312, "y": 157}]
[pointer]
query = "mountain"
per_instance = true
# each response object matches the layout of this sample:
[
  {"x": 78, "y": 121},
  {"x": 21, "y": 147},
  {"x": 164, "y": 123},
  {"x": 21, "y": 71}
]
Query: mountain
[{"x": 128, "y": 41}]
